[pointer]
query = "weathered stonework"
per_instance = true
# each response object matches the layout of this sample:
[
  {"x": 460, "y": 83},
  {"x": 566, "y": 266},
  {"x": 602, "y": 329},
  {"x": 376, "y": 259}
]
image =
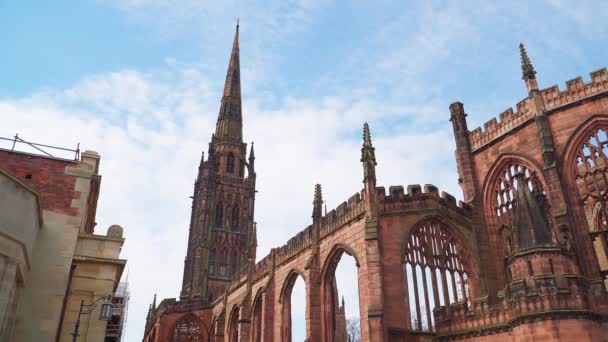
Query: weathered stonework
[{"x": 513, "y": 262}]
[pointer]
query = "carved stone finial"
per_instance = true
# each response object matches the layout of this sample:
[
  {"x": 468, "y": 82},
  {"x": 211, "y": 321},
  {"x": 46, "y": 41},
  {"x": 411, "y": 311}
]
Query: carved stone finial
[
  {"x": 527, "y": 69},
  {"x": 317, "y": 203},
  {"x": 368, "y": 155}
]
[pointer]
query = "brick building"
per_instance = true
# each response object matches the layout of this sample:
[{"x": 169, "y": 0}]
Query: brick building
[
  {"x": 50, "y": 257},
  {"x": 522, "y": 258}
]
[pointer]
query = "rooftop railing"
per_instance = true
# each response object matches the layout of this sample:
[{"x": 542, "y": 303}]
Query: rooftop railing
[{"x": 18, "y": 144}]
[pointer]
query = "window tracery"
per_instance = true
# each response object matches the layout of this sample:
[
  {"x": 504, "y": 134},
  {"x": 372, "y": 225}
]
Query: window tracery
[
  {"x": 187, "y": 329},
  {"x": 436, "y": 274},
  {"x": 505, "y": 190}
]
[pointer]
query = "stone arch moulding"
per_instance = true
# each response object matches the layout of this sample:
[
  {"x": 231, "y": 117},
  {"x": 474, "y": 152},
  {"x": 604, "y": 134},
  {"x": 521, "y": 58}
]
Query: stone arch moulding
[
  {"x": 466, "y": 248},
  {"x": 503, "y": 159},
  {"x": 336, "y": 251},
  {"x": 289, "y": 281},
  {"x": 577, "y": 138}
]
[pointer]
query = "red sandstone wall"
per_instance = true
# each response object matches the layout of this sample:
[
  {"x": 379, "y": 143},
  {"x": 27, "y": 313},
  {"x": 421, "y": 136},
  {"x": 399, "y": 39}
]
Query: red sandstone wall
[{"x": 48, "y": 178}]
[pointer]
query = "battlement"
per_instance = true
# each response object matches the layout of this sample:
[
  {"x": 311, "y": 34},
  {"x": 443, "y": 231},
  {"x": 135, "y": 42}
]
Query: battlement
[
  {"x": 418, "y": 197},
  {"x": 576, "y": 89},
  {"x": 295, "y": 245},
  {"x": 494, "y": 128},
  {"x": 344, "y": 213},
  {"x": 552, "y": 97}
]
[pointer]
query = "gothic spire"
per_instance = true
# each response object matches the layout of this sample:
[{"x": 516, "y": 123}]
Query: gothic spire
[
  {"x": 154, "y": 302},
  {"x": 530, "y": 225},
  {"x": 368, "y": 156},
  {"x": 317, "y": 203},
  {"x": 251, "y": 159},
  {"x": 527, "y": 69},
  {"x": 230, "y": 121}
]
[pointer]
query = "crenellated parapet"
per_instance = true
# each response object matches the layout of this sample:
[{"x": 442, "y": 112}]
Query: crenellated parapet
[
  {"x": 419, "y": 198},
  {"x": 345, "y": 212},
  {"x": 495, "y": 128},
  {"x": 294, "y": 246},
  {"x": 576, "y": 89},
  {"x": 553, "y": 98}
]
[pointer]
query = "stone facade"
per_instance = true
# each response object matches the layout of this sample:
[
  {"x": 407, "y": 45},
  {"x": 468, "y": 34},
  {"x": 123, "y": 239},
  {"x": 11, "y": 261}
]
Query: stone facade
[
  {"x": 514, "y": 262},
  {"x": 54, "y": 260}
]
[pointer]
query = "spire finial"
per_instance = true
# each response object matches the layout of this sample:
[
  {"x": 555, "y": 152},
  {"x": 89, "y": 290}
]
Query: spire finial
[
  {"x": 368, "y": 155},
  {"x": 317, "y": 203},
  {"x": 230, "y": 121},
  {"x": 154, "y": 303},
  {"x": 527, "y": 69}
]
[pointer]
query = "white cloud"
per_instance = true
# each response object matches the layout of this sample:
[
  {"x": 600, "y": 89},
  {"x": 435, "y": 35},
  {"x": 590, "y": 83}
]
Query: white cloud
[{"x": 150, "y": 129}]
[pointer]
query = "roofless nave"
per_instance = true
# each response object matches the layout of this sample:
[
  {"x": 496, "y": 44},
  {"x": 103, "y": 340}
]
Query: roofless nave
[{"x": 522, "y": 258}]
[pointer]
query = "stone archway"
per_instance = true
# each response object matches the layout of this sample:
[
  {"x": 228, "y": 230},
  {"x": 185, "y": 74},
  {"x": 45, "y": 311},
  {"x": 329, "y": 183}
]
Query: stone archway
[
  {"x": 256, "y": 318},
  {"x": 233, "y": 325},
  {"x": 285, "y": 301},
  {"x": 333, "y": 320}
]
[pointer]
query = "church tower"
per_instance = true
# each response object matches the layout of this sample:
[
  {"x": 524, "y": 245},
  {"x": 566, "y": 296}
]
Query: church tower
[{"x": 221, "y": 223}]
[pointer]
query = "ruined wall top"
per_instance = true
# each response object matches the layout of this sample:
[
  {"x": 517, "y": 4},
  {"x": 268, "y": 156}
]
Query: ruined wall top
[{"x": 553, "y": 98}]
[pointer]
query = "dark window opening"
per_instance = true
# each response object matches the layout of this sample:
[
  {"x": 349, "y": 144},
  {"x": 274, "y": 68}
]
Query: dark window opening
[{"x": 230, "y": 163}]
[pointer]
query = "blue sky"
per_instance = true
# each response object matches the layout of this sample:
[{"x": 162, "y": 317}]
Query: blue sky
[{"x": 140, "y": 82}]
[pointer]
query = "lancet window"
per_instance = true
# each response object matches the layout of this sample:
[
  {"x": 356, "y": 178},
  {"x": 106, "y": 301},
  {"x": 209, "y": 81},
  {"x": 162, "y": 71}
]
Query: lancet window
[
  {"x": 233, "y": 262},
  {"x": 230, "y": 163},
  {"x": 212, "y": 261},
  {"x": 436, "y": 273},
  {"x": 235, "y": 217},
  {"x": 187, "y": 329},
  {"x": 223, "y": 263},
  {"x": 219, "y": 215}
]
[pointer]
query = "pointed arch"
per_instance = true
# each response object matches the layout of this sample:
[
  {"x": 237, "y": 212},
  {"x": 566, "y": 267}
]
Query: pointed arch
[
  {"x": 285, "y": 302},
  {"x": 438, "y": 269},
  {"x": 256, "y": 317},
  {"x": 329, "y": 290},
  {"x": 233, "y": 324}
]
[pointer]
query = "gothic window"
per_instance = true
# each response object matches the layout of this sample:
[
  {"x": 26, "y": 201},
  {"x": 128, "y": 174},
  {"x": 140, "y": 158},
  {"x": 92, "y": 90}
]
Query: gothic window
[
  {"x": 233, "y": 262},
  {"x": 592, "y": 185},
  {"x": 435, "y": 273},
  {"x": 219, "y": 215},
  {"x": 187, "y": 329},
  {"x": 591, "y": 166},
  {"x": 505, "y": 190},
  {"x": 212, "y": 261},
  {"x": 223, "y": 263},
  {"x": 230, "y": 163},
  {"x": 235, "y": 217},
  {"x": 242, "y": 169}
]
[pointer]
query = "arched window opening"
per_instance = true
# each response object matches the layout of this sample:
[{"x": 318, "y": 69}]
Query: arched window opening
[
  {"x": 230, "y": 163},
  {"x": 235, "y": 217},
  {"x": 592, "y": 185},
  {"x": 219, "y": 215},
  {"x": 340, "y": 306},
  {"x": 212, "y": 262},
  {"x": 293, "y": 309},
  {"x": 256, "y": 320},
  {"x": 223, "y": 263},
  {"x": 233, "y": 263},
  {"x": 505, "y": 190},
  {"x": 187, "y": 329},
  {"x": 436, "y": 274},
  {"x": 233, "y": 326}
]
